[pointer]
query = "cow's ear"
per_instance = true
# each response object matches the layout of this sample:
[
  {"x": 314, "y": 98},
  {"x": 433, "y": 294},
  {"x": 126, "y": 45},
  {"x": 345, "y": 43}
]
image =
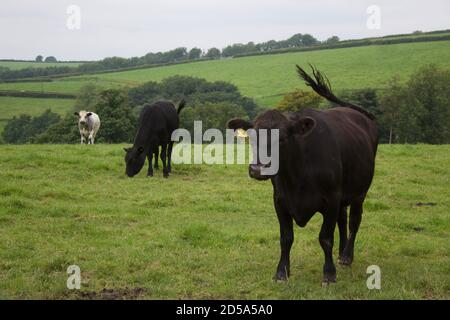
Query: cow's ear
[
  {"x": 89, "y": 114},
  {"x": 303, "y": 126},
  {"x": 239, "y": 124},
  {"x": 141, "y": 149},
  {"x": 76, "y": 114}
]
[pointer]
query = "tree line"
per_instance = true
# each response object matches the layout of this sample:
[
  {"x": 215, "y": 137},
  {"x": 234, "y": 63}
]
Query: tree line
[
  {"x": 298, "y": 42},
  {"x": 413, "y": 111},
  {"x": 211, "y": 102},
  {"x": 181, "y": 54}
]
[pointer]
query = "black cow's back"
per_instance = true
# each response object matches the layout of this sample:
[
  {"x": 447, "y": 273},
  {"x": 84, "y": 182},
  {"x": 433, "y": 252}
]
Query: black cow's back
[
  {"x": 157, "y": 122},
  {"x": 347, "y": 142}
]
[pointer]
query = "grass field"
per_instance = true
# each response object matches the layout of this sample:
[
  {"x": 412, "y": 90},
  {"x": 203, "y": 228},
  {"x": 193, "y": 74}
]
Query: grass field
[
  {"x": 16, "y": 65},
  {"x": 208, "y": 231},
  {"x": 13, "y": 106},
  {"x": 267, "y": 78}
]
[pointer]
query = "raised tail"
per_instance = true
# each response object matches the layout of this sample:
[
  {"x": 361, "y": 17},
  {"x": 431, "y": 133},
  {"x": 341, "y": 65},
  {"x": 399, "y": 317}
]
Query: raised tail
[
  {"x": 181, "y": 105},
  {"x": 322, "y": 86}
]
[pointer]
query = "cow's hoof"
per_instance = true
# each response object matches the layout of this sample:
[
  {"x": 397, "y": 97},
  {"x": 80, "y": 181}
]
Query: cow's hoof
[
  {"x": 150, "y": 174},
  {"x": 345, "y": 261},
  {"x": 280, "y": 277},
  {"x": 166, "y": 175},
  {"x": 328, "y": 278}
]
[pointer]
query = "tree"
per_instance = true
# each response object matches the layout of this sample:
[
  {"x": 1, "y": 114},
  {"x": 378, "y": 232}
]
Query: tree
[
  {"x": 368, "y": 99},
  {"x": 39, "y": 58},
  {"x": 212, "y": 115},
  {"x": 332, "y": 40},
  {"x": 17, "y": 129},
  {"x": 87, "y": 97},
  {"x": 295, "y": 41},
  {"x": 429, "y": 101},
  {"x": 194, "y": 54},
  {"x": 177, "y": 54},
  {"x": 146, "y": 93},
  {"x": 298, "y": 100},
  {"x": 50, "y": 59},
  {"x": 309, "y": 40},
  {"x": 118, "y": 121},
  {"x": 213, "y": 53},
  {"x": 64, "y": 131},
  {"x": 25, "y": 129},
  {"x": 391, "y": 104}
]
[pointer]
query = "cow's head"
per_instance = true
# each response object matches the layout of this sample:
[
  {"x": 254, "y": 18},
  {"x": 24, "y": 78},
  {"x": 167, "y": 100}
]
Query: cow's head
[
  {"x": 134, "y": 160},
  {"x": 288, "y": 129},
  {"x": 83, "y": 117}
]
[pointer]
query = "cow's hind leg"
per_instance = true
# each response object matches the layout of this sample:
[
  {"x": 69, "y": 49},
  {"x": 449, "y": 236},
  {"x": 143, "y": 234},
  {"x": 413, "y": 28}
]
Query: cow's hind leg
[
  {"x": 356, "y": 210},
  {"x": 169, "y": 156},
  {"x": 342, "y": 225},
  {"x": 326, "y": 239},
  {"x": 156, "y": 152},
  {"x": 163, "y": 159},
  {"x": 286, "y": 240}
]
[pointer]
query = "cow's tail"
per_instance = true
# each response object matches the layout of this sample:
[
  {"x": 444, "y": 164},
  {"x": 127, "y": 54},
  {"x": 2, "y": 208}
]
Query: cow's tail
[
  {"x": 321, "y": 85},
  {"x": 181, "y": 105}
]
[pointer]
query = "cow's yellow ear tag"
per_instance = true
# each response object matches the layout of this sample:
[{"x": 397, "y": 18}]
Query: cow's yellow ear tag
[{"x": 241, "y": 133}]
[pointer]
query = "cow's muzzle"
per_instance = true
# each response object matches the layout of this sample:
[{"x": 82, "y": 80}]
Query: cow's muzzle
[{"x": 254, "y": 171}]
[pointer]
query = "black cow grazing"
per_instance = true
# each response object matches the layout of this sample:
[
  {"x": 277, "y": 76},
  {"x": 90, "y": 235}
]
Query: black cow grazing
[
  {"x": 327, "y": 161},
  {"x": 156, "y": 124}
]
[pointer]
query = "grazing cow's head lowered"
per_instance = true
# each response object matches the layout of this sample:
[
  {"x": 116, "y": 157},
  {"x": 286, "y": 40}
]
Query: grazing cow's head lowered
[
  {"x": 83, "y": 117},
  {"x": 266, "y": 122},
  {"x": 134, "y": 160}
]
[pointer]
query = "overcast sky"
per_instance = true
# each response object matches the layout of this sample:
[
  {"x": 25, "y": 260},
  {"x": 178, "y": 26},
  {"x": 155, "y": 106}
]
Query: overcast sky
[{"x": 134, "y": 27}]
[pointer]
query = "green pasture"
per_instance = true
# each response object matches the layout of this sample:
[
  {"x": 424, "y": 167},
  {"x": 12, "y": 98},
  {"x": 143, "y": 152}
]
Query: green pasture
[
  {"x": 13, "y": 106},
  {"x": 208, "y": 231}
]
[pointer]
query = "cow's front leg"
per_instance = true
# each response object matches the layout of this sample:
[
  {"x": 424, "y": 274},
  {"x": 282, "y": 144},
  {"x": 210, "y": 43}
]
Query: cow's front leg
[
  {"x": 150, "y": 168},
  {"x": 326, "y": 239},
  {"x": 91, "y": 138},
  {"x": 286, "y": 240},
  {"x": 82, "y": 139}
]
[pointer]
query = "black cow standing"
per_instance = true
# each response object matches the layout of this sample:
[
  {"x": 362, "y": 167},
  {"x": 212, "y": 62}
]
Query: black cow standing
[
  {"x": 327, "y": 161},
  {"x": 156, "y": 124}
]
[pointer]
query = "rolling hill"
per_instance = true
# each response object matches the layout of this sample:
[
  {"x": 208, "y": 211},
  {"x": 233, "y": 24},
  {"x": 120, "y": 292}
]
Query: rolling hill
[{"x": 265, "y": 78}]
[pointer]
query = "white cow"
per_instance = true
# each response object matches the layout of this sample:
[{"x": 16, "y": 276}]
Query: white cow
[{"x": 88, "y": 123}]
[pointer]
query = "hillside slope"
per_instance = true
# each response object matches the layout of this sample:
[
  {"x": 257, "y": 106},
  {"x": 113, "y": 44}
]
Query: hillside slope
[{"x": 267, "y": 78}]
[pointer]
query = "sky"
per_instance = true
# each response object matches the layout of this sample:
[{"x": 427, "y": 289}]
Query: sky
[{"x": 103, "y": 28}]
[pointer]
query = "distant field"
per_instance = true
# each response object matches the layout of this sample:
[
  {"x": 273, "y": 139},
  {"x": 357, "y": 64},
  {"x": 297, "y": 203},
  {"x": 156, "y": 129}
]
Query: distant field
[
  {"x": 208, "y": 231},
  {"x": 12, "y": 106},
  {"x": 16, "y": 65},
  {"x": 419, "y": 35},
  {"x": 67, "y": 85},
  {"x": 267, "y": 78}
]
